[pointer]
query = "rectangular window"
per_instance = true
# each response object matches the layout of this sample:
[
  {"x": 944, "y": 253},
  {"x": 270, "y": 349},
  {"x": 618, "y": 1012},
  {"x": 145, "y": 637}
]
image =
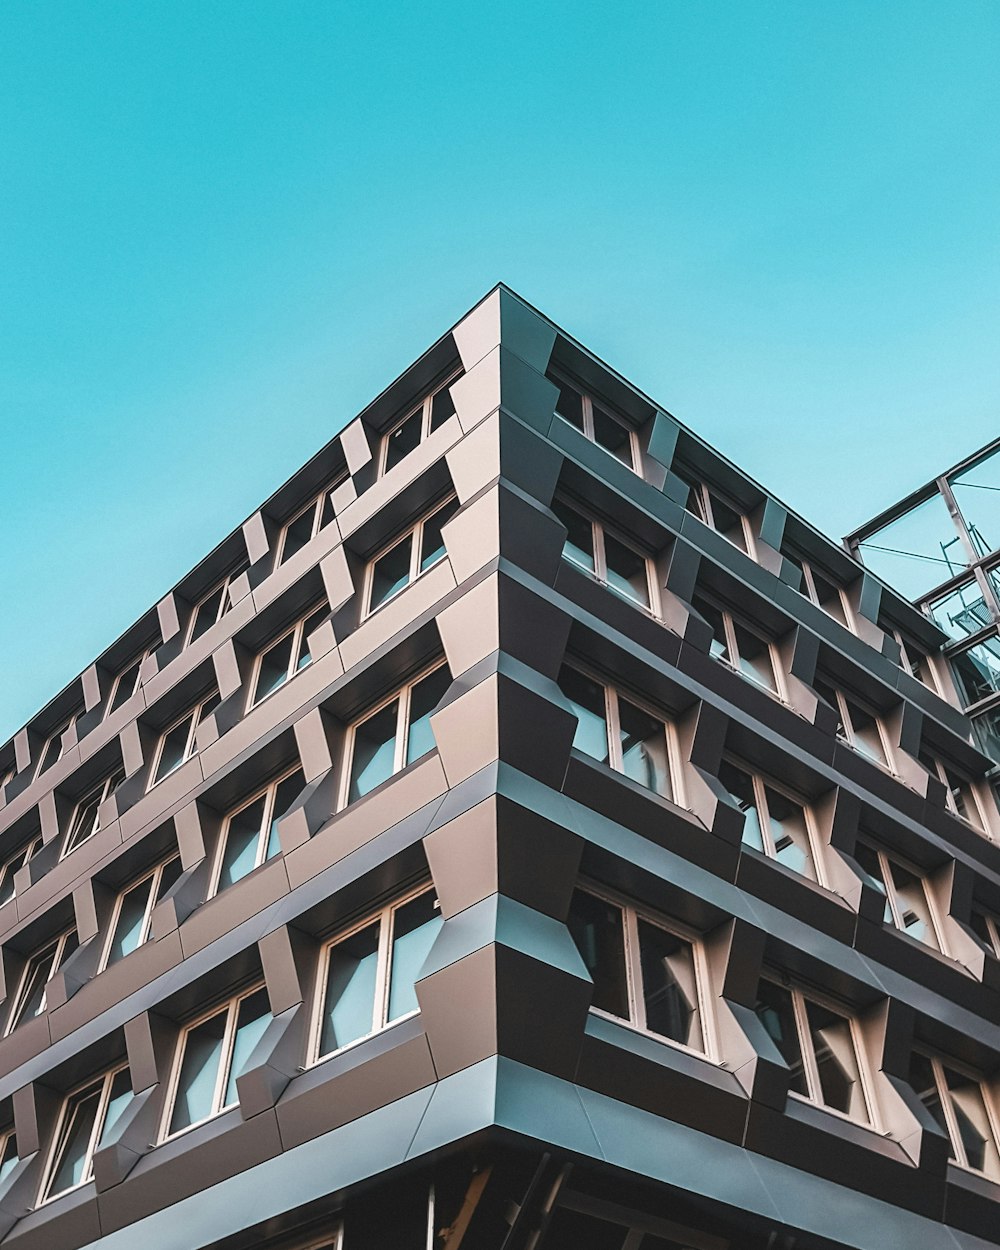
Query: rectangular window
[
  {"x": 52, "y": 750},
  {"x": 608, "y": 558},
  {"x": 986, "y": 927},
  {"x": 859, "y": 727},
  {"x": 775, "y": 822},
  {"x": 909, "y": 903},
  {"x": 131, "y": 921},
  {"x": 821, "y": 1047},
  {"x": 403, "y": 562},
  {"x": 214, "y": 606},
  {"x": 8, "y": 1154},
  {"x": 737, "y": 644},
  {"x": 710, "y": 506},
  {"x": 15, "y": 862},
  {"x": 433, "y": 411},
  {"x": 594, "y": 419},
  {"x": 87, "y": 813},
  {"x": 959, "y": 797},
  {"x": 38, "y": 971},
  {"x": 86, "y": 1121},
  {"x": 177, "y": 743},
  {"x": 286, "y": 656},
  {"x": 643, "y": 971},
  {"x": 367, "y": 974},
  {"x": 394, "y": 735},
  {"x": 126, "y": 683},
  {"x": 250, "y": 833},
  {"x": 961, "y": 1105},
  {"x": 614, "y": 730},
  {"x": 823, "y": 590},
  {"x": 306, "y": 523},
  {"x": 212, "y": 1054}
]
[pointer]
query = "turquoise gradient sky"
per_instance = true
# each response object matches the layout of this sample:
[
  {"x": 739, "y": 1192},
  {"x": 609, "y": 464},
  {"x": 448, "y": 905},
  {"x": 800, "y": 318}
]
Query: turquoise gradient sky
[{"x": 225, "y": 225}]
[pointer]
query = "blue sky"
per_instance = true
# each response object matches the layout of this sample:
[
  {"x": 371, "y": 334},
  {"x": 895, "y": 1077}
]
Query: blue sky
[{"x": 225, "y": 226}]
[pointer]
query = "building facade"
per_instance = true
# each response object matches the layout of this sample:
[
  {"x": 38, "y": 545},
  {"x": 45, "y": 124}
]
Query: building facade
[{"x": 523, "y": 833}]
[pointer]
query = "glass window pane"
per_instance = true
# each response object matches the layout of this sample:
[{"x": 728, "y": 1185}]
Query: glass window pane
[
  {"x": 978, "y": 670},
  {"x": 612, "y": 436},
  {"x": 374, "y": 751},
  {"x": 168, "y": 876},
  {"x": 253, "y": 1017},
  {"x": 199, "y": 1072},
  {"x": 86, "y": 823},
  {"x": 787, "y": 825},
  {"x": 390, "y": 573},
  {"x": 828, "y": 598},
  {"x": 973, "y": 1122},
  {"x": 924, "y": 1085},
  {"x": 432, "y": 546},
  {"x": 728, "y": 521},
  {"x": 298, "y": 533},
  {"x": 414, "y": 928},
  {"x": 313, "y": 622},
  {"x": 127, "y": 683},
  {"x": 597, "y": 929},
  {"x": 426, "y": 695},
  {"x": 579, "y": 544},
  {"x": 288, "y": 791},
  {"x": 40, "y": 968},
  {"x": 13, "y": 865},
  {"x": 131, "y": 920},
  {"x": 118, "y": 1100},
  {"x": 755, "y": 657},
  {"x": 208, "y": 612},
  {"x": 644, "y": 748},
  {"x": 274, "y": 666},
  {"x": 587, "y": 700},
  {"x": 626, "y": 571},
  {"x": 914, "y": 909},
  {"x": 242, "y": 839},
  {"x": 569, "y": 405},
  {"x": 739, "y": 785},
  {"x": 867, "y": 738},
  {"x": 349, "y": 1002},
  {"x": 9, "y": 1158},
  {"x": 403, "y": 439},
  {"x": 962, "y": 612},
  {"x": 774, "y": 1010},
  {"x": 442, "y": 407},
  {"x": 71, "y": 1166},
  {"x": 836, "y": 1061},
  {"x": 867, "y": 858},
  {"x": 720, "y": 645},
  {"x": 918, "y": 550},
  {"x": 669, "y": 988},
  {"x": 977, "y": 493},
  {"x": 173, "y": 751}
]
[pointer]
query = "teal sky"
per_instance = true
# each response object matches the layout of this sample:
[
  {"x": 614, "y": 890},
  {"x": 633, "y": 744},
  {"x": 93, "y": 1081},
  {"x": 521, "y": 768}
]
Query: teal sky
[{"x": 225, "y": 225}]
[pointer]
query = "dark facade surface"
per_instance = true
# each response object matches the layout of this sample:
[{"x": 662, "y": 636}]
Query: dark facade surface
[{"x": 523, "y": 833}]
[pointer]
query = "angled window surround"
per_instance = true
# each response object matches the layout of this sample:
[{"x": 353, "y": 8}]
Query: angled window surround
[
  {"x": 39, "y": 968},
  {"x": 307, "y": 522},
  {"x": 740, "y": 645},
  {"x": 250, "y": 831},
  {"x": 86, "y": 1120},
  {"x": 962, "y": 1103},
  {"x": 909, "y": 900},
  {"x": 646, "y": 971},
  {"x": 591, "y": 546},
  {"x": 597, "y": 421},
  {"x": 777, "y": 822},
  {"x": 422, "y": 420},
  {"x": 131, "y": 920},
  {"x": 178, "y": 741},
  {"x": 367, "y": 973},
  {"x": 287, "y": 655},
  {"x": 86, "y": 818},
  {"x": 405, "y": 558},
  {"x": 214, "y": 605}
]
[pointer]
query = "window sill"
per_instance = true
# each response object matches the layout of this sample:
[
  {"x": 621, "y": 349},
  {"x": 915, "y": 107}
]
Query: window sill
[{"x": 359, "y": 1041}]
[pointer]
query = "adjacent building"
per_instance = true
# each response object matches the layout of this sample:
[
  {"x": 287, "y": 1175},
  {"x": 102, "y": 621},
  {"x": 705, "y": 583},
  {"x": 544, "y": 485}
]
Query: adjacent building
[{"x": 522, "y": 833}]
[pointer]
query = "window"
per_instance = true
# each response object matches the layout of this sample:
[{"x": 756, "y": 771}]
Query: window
[
  {"x": 52, "y": 750},
  {"x": 959, "y": 795},
  {"x": 739, "y": 646},
  {"x": 394, "y": 735},
  {"x": 8, "y": 1155},
  {"x": 407, "y": 557},
  {"x": 306, "y": 523},
  {"x": 126, "y": 683},
  {"x": 367, "y": 974},
  {"x": 913, "y": 658},
  {"x": 214, "y": 606},
  {"x": 409, "y": 433},
  {"x": 977, "y": 671},
  {"x": 7, "y": 775},
  {"x": 775, "y": 823},
  {"x": 86, "y": 1122},
  {"x": 177, "y": 743},
  {"x": 820, "y": 1046},
  {"x": 959, "y": 1102},
  {"x": 87, "y": 814},
  {"x": 986, "y": 927},
  {"x": 13, "y": 864},
  {"x": 38, "y": 971},
  {"x": 711, "y": 507},
  {"x": 250, "y": 833},
  {"x": 859, "y": 727},
  {"x": 589, "y": 546},
  {"x": 643, "y": 972},
  {"x": 615, "y": 731},
  {"x": 823, "y": 591},
  {"x": 285, "y": 657},
  {"x": 595, "y": 420},
  {"x": 909, "y": 903},
  {"x": 212, "y": 1053},
  {"x": 132, "y": 917}
]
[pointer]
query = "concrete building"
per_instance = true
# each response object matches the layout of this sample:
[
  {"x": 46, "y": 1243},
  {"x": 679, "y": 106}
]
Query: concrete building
[{"x": 523, "y": 833}]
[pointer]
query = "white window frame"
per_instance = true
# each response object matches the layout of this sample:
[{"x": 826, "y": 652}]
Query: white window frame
[
  {"x": 225, "y": 601},
  {"x": 938, "y": 1064},
  {"x": 106, "y": 1080},
  {"x": 384, "y": 916},
  {"x": 600, "y": 570},
  {"x": 56, "y": 735},
  {"x": 155, "y": 875},
  {"x": 890, "y": 892},
  {"x": 812, "y": 594},
  {"x": 632, "y": 913},
  {"x": 6, "y": 1138},
  {"x": 424, "y": 407},
  {"x": 318, "y": 505},
  {"x": 6, "y": 777},
  {"x": 809, "y": 1066},
  {"x": 107, "y": 787},
  {"x": 404, "y": 694},
  {"x": 24, "y": 854},
  {"x": 193, "y": 713},
  {"x": 269, "y": 792},
  {"x": 58, "y": 943},
  {"x": 941, "y": 772},
  {"x": 729, "y": 620},
  {"x": 703, "y": 493},
  {"x": 587, "y": 408},
  {"x": 231, "y": 1007},
  {"x": 298, "y": 629},
  {"x": 612, "y": 721},
  {"x": 136, "y": 663},
  {"x": 760, "y": 785},
  {"x": 416, "y": 533},
  {"x": 847, "y": 734}
]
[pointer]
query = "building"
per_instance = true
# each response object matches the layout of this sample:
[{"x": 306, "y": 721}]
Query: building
[
  {"x": 940, "y": 546},
  {"x": 523, "y": 833}
]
